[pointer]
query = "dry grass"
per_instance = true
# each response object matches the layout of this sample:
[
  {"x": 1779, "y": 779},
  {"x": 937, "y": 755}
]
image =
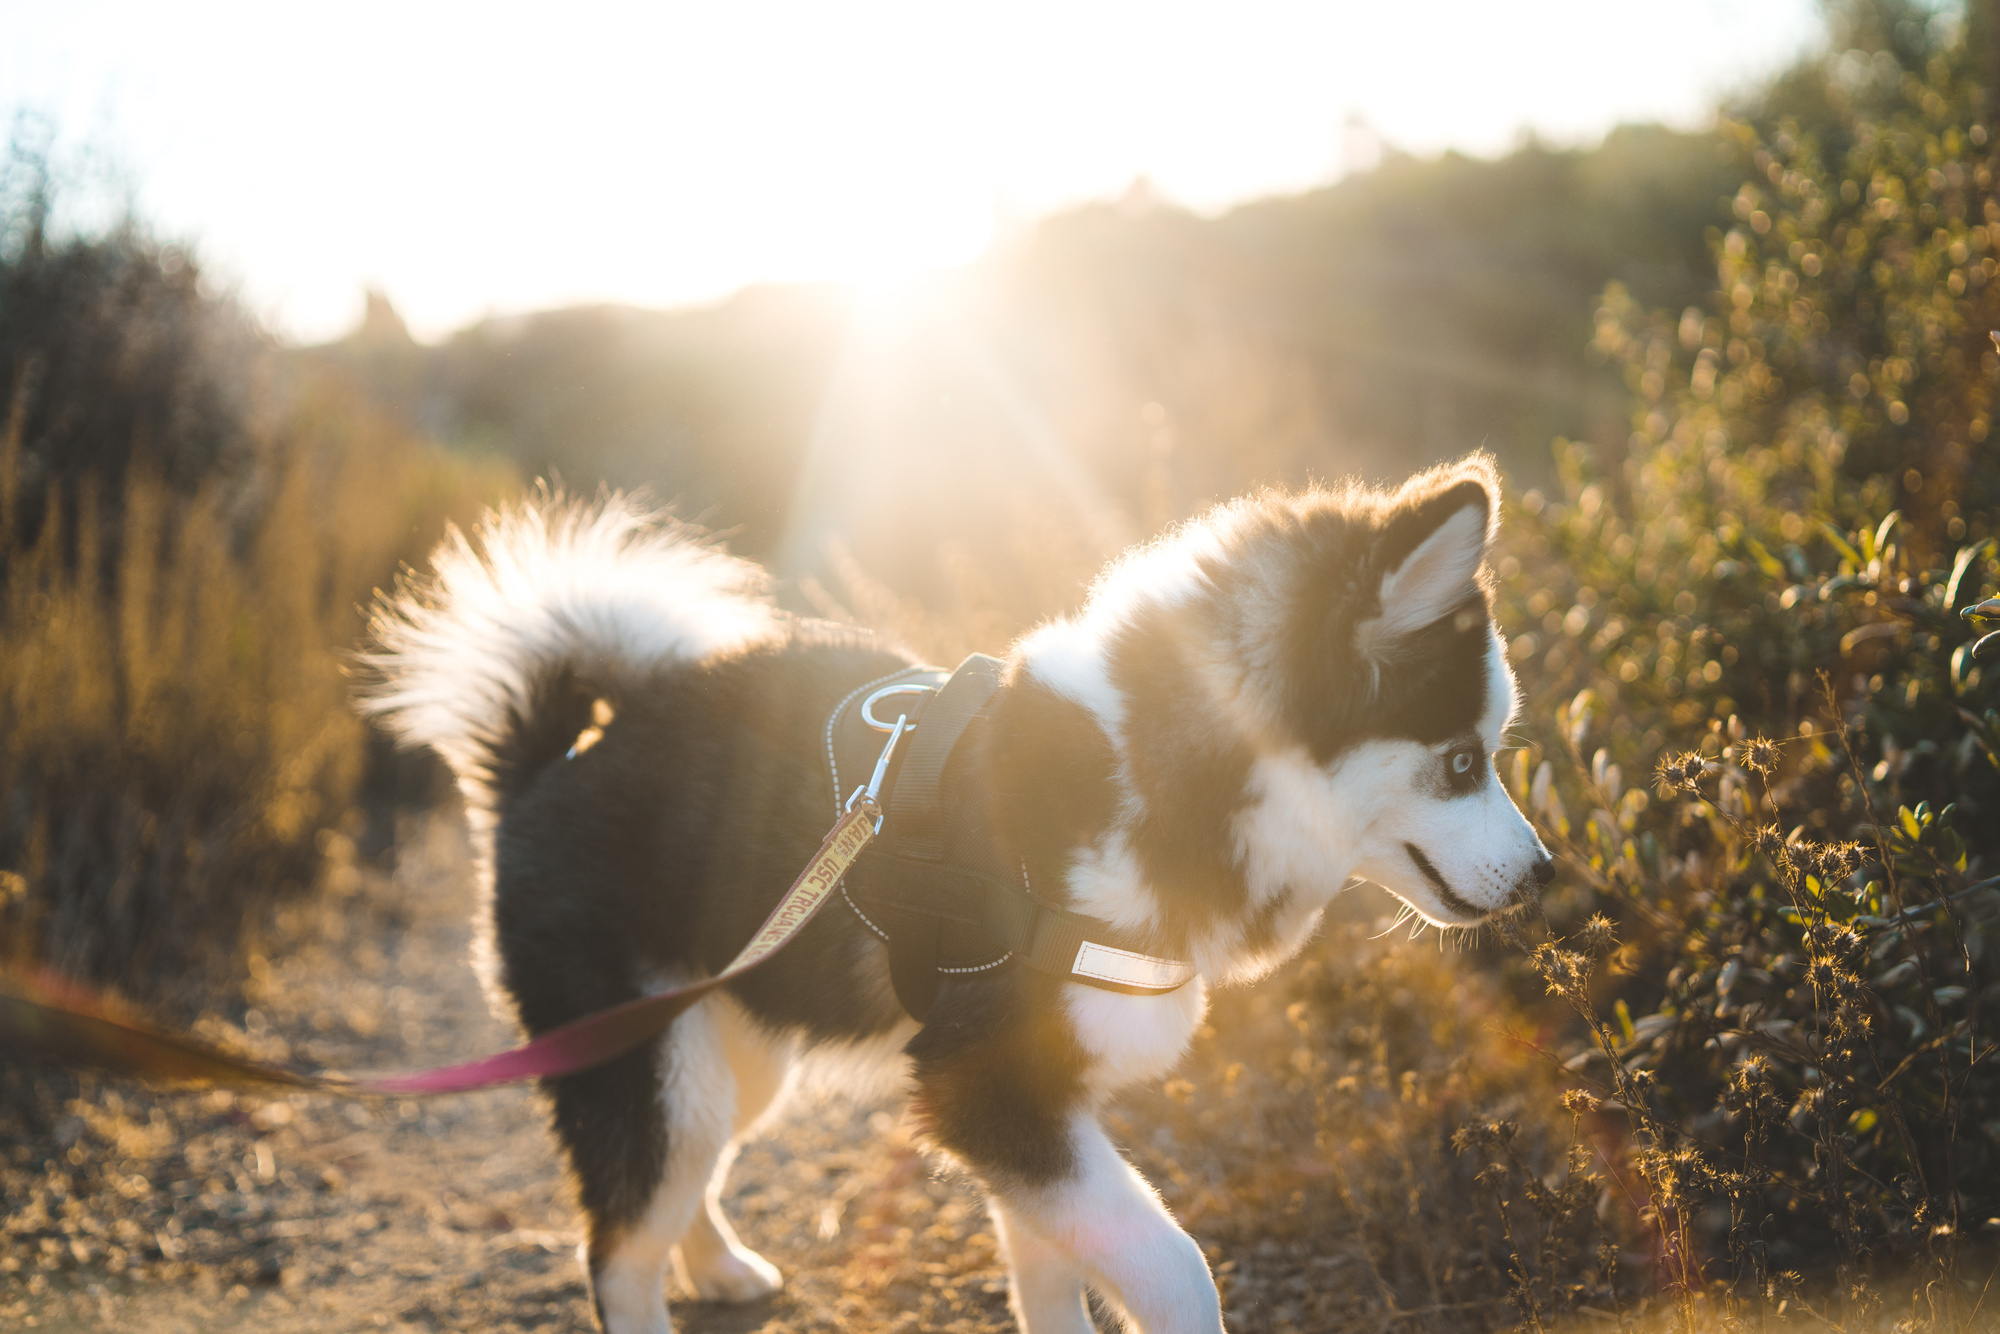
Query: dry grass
[{"x": 179, "y": 741}]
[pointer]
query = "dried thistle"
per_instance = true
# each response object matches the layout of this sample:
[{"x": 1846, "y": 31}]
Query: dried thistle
[
  {"x": 1683, "y": 772},
  {"x": 1760, "y": 755},
  {"x": 1771, "y": 843},
  {"x": 1597, "y": 935},
  {"x": 1565, "y": 971},
  {"x": 1838, "y": 861}
]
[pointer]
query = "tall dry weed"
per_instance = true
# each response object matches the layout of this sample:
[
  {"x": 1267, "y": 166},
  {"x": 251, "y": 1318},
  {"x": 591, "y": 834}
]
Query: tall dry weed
[{"x": 179, "y": 740}]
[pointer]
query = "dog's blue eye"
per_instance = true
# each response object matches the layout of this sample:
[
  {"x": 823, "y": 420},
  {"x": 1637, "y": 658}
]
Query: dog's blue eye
[{"x": 1461, "y": 762}]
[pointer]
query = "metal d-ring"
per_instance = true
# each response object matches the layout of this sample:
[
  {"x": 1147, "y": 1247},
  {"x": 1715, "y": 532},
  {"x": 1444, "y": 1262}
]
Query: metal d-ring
[{"x": 868, "y": 705}]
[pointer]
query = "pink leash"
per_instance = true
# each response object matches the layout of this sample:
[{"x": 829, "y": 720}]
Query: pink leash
[{"x": 50, "y": 1020}]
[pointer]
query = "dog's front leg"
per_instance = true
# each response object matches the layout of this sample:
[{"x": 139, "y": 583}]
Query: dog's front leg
[
  {"x": 1046, "y": 1288},
  {"x": 1103, "y": 1223}
]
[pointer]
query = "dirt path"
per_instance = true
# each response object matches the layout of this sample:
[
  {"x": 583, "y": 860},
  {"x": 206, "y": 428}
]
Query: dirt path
[
  {"x": 1323, "y": 1181},
  {"x": 205, "y": 1212}
]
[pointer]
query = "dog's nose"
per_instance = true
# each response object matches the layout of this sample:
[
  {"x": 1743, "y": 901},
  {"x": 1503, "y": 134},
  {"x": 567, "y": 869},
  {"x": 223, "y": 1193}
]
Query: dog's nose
[{"x": 1543, "y": 871}]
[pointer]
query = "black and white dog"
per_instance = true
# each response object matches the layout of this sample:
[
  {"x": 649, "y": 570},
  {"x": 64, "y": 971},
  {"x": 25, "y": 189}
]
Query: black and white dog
[{"x": 1288, "y": 692}]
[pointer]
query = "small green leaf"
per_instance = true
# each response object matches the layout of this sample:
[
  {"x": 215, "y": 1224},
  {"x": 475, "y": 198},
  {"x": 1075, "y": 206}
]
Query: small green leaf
[
  {"x": 1765, "y": 560},
  {"x": 1966, "y": 555},
  {"x": 1882, "y": 531},
  {"x": 1945, "y": 842},
  {"x": 1624, "y": 1014},
  {"x": 1910, "y": 825},
  {"x": 1842, "y": 545},
  {"x": 1863, "y": 1121}
]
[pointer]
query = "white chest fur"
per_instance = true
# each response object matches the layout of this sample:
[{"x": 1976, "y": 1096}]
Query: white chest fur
[{"x": 1131, "y": 1039}]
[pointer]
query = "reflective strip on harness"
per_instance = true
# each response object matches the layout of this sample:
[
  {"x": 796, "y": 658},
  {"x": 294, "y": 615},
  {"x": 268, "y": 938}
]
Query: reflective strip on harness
[
  {"x": 1141, "y": 972},
  {"x": 1076, "y": 946}
]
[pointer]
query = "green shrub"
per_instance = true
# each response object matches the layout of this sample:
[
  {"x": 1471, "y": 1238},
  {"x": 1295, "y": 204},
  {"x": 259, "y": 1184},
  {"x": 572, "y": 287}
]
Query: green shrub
[{"x": 1753, "y": 612}]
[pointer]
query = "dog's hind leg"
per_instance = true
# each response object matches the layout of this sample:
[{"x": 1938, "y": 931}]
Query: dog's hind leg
[
  {"x": 692, "y": 1115},
  {"x": 710, "y": 1260}
]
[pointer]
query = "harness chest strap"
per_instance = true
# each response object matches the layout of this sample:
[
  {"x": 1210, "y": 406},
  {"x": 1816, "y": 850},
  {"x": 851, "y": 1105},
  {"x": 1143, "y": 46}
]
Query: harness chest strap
[
  {"x": 935, "y": 881},
  {"x": 1056, "y": 940}
]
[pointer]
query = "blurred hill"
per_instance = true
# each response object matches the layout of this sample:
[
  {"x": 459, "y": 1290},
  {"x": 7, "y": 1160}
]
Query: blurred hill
[
  {"x": 709, "y": 406},
  {"x": 1128, "y": 361}
]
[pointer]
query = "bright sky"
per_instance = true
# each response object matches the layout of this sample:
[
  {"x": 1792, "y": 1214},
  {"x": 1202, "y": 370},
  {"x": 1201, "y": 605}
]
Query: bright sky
[{"x": 472, "y": 158}]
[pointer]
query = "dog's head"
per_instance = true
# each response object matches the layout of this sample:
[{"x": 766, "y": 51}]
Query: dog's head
[
  {"x": 1396, "y": 681},
  {"x": 1291, "y": 689},
  {"x": 1367, "y": 625}
]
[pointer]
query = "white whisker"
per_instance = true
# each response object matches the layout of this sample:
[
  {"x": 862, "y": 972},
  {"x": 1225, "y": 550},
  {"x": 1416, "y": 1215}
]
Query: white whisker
[{"x": 1405, "y": 915}]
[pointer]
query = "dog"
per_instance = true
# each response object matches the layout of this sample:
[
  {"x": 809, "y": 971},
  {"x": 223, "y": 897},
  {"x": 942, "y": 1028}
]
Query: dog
[{"x": 1289, "y": 692}]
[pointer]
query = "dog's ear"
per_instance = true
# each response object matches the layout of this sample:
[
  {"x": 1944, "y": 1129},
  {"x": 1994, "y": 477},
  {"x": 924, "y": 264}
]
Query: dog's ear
[{"x": 1430, "y": 550}]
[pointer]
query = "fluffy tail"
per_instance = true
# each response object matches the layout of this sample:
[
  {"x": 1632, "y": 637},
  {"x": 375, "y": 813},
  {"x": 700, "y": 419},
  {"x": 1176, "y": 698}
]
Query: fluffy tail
[{"x": 546, "y": 603}]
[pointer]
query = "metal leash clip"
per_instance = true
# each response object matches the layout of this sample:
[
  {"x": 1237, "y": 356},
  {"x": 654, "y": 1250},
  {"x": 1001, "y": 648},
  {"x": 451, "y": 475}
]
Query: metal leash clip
[{"x": 867, "y": 796}]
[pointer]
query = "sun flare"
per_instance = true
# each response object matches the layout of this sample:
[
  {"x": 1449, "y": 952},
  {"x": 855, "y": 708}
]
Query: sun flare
[{"x": 673, "y": 154}]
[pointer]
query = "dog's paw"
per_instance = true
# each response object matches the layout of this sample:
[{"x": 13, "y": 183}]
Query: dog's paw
[{"x": 738, "y": 1274}]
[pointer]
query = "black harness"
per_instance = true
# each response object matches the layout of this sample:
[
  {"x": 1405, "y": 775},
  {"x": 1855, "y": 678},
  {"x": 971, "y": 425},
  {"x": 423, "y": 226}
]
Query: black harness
[{"x": 936, "y": 886}]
